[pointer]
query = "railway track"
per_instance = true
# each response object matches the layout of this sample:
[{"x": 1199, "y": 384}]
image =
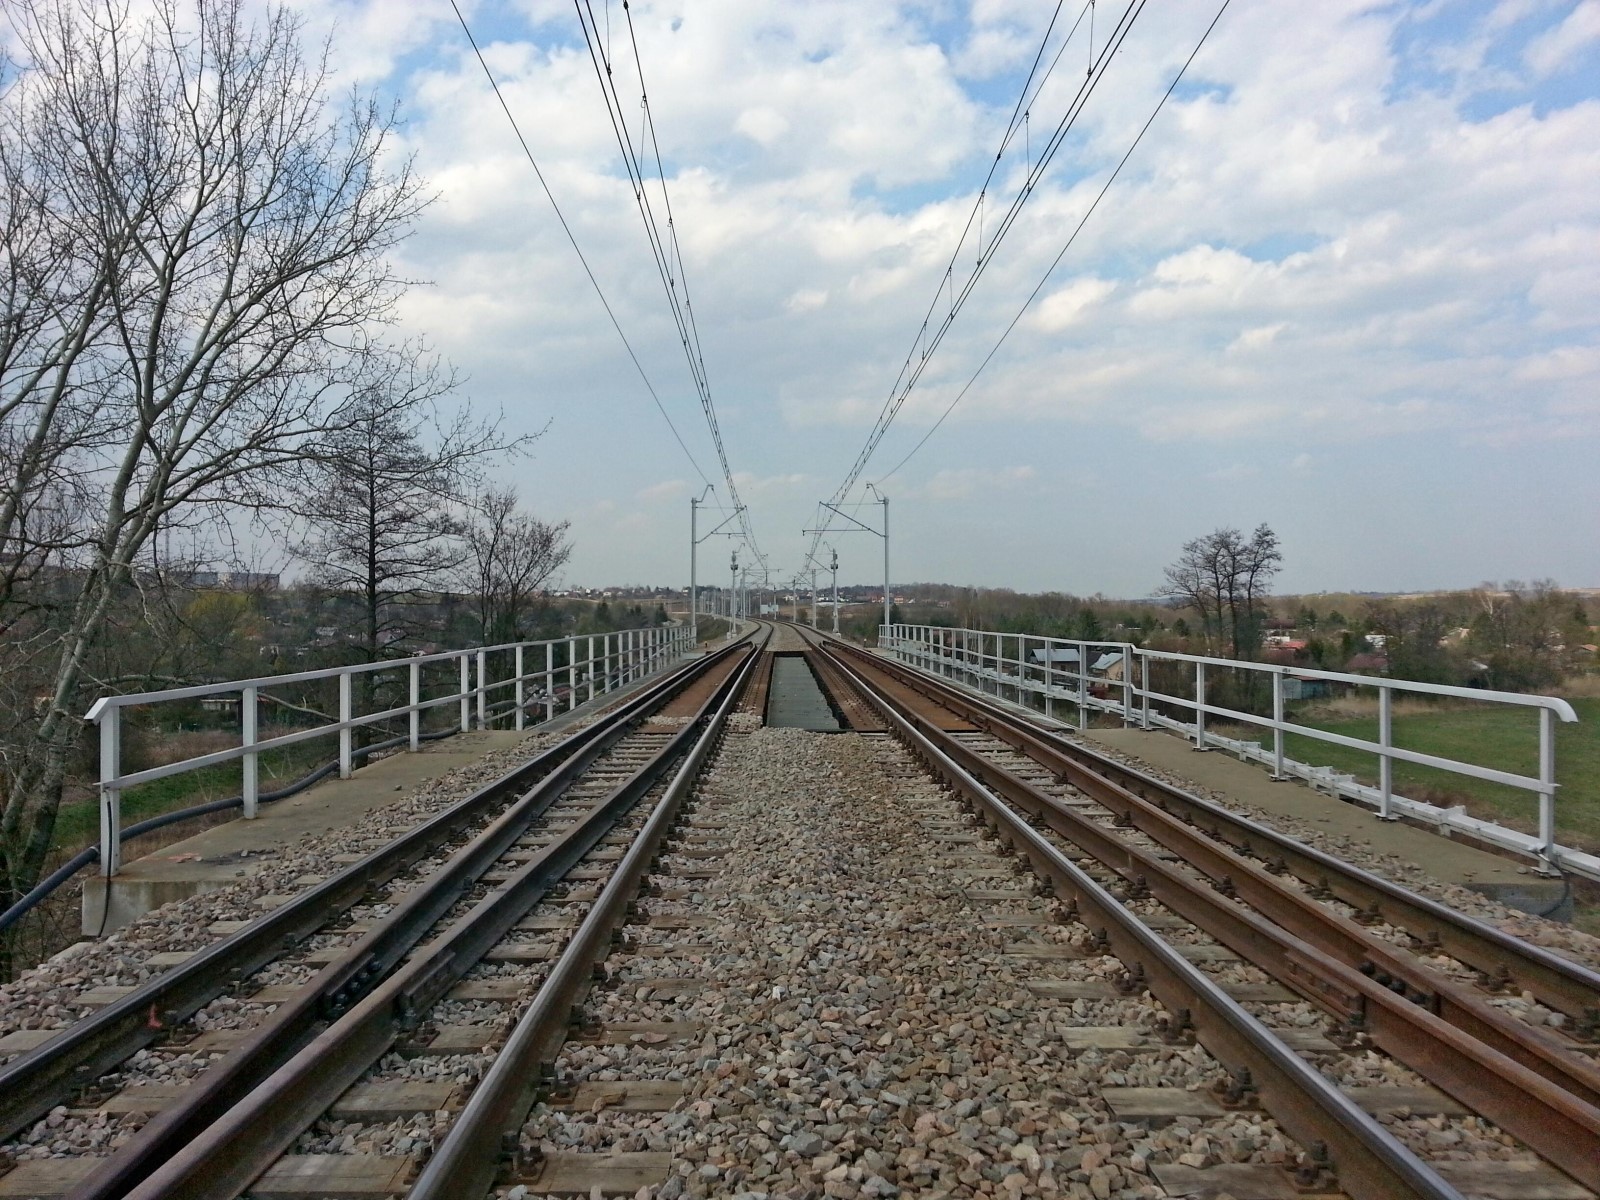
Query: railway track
[
  {"x": 449, "y": 912},
  {"x": 687, "y": 956},
  {"x": 1388, "y": 969}
]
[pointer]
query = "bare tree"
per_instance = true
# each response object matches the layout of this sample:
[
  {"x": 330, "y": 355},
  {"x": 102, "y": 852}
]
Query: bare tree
[
  {"x": 511, "y": 554},
  {"x": 381, "y": 500},
  {"x": 1226, "y": 578},
  {"x": 196, "y": 242}
]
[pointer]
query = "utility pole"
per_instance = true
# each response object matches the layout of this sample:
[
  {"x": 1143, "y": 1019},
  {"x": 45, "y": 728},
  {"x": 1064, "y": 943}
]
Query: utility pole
[
  {"x": 835, "y": 567},
  {"x": 813, "y": 595},
  {"x": 694, "y": 543},
  {"x": 733, "y": 593},
  {"x": 694, "y": 592},
  {"x": 888, "y": 598}
]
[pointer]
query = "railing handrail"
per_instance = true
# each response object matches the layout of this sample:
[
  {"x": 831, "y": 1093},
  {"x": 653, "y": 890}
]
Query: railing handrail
[
  {"x": 943, "y": 649},
  {"x": 625, "y": 655},
  {"x": 195, "y": 690},
  {"x": 1556, "y": 704}
]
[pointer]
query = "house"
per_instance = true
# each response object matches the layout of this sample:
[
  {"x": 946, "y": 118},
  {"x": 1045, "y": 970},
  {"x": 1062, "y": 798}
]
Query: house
[{"x": 1058, "y": 657}]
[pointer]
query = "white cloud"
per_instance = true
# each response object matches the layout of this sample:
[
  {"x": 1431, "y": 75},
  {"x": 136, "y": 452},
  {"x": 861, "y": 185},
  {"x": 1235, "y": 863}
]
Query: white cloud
[
  {"x": 1310, "y": 242},
  {"x": 1070, "y": 304},
  {"x": 807, "y": 300},
  {"x": 1257, "y": 338},
  {"x": 667, "y": 489},
  {"x": 966, "y": 482},
  {"x": 762, "y": 124},
  {"x": 1555, "y": 49}
]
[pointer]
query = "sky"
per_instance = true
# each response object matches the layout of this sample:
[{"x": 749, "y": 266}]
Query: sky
[{"x": 1346, "y": 284}]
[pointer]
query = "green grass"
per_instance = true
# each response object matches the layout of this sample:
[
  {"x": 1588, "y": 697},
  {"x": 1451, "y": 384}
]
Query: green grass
[
  {"x": 1500, "y": 737},
  {"x": 78, "y": 822}
]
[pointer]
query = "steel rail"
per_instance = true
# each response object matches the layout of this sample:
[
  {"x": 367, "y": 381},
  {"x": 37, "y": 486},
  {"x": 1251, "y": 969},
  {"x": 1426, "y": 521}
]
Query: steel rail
[
  {"x": 1316, "y": 923},
  {"x": 1570, "y": 988},
  {"x": 1370, "y": 1163},
  {"x": 340, "y": 984},
  {"x": 1560, "y": 1123},
  {"x": 238, "y": 1144},
  {"x": 470, "y": 1161},
  {"x": 34, "y": 1083}
]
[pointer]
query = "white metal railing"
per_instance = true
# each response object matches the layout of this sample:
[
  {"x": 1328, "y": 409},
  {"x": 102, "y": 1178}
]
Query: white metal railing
[
  {"x": 592, "y": 663},
  {"x": 1041, "y": 672}
]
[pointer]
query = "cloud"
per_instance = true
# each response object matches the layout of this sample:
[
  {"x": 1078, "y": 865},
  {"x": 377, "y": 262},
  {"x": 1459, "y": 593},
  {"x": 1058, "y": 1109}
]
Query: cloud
[
  {"x": 667, "y": 489},
  {"x": 1234, "y": 473},
  {"x": 1367, "y": 223},
  {"x": 807, "y": 300},
  {"x": 1555, "y": 49},
  {"x": 967, "y": 482},
  {"x": 1070, "y": 304},
  {"x": 1258, "y": 338}
]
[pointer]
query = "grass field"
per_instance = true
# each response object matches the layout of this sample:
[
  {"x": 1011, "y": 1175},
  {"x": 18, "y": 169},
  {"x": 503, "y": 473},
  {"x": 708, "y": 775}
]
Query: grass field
[{"x": 1489, "y": 735}]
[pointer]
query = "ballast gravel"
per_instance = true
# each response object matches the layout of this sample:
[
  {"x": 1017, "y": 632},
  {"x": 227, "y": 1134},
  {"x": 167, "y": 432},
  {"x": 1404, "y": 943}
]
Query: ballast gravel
[
  {"x": 47, "y": 996},
  {"x": 863, "y": 1029}
]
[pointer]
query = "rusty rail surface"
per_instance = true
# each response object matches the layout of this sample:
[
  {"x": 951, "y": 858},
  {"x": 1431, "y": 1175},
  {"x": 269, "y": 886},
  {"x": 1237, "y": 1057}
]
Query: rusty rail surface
[
  {"x": 471, "y": 1159},
  {"x": 34, "y": 1083},
  {"x": 1501, "y": 959},
  {"x": 1369, "y": 1162},
  {"x": 215, "y": 1151},
  {"x": 1536, "y": 1087}
]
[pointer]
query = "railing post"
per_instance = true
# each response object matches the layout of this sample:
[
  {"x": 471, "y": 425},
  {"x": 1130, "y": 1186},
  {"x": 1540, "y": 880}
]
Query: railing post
[
  {"x": 483, "y": 689},
  {"x": 110, "y": 796},
  {"x": 1547, "y": 791},
  {"x": 1144, "y": 688},
  {"x": 1022, "y": 668},
  {"x": 250, "y": 783},
  {"x": 416, "y": 699},
  {"x": 1386, "y": 741},
  {"x": 572, "y": 673},
  {"x": 1127, "y": 685},
  {"x": 519, "y": 696},
  {"x": 591, "y": 666},
  {"x": 466, "y": 692},
  {"x": 549, "y": 680},
  {"x": 1277, "y": 726},
  {"x": 346, "y": 734},
  {"x": 1199, "y": 706},
  {"x": 1083, "y": 687}
]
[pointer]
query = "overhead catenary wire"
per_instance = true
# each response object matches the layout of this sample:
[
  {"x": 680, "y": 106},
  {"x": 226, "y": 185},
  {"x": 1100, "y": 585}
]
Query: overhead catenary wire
[
  {"x": 986, "y": 251},
  {"x": 1034, "y": 295},
  {"x": 927, "y": 343},
  {"x": 567, "y": 229},
  {"x": 665, "y": 248}
]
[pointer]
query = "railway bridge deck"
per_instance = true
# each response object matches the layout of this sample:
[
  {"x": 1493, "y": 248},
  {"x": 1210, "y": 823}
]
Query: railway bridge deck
[{"x": 673, "y": 950}]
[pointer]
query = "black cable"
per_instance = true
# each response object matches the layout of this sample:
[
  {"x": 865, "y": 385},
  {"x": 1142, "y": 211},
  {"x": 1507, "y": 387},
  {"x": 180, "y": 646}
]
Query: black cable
[
  {"x": 664, "y": 247},
  {"x": 904, "y": 383},
  {"x": 567, "y": 229},
  {"x": 87, "y": 857},
  {"x": 1033, "y": 295}
]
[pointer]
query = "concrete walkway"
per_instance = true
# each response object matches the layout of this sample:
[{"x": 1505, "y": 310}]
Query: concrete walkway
[{"x": 1508, "y": 880}]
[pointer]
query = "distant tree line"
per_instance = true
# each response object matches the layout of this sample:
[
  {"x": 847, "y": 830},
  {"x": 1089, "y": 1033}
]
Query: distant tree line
[{"x": 1218, "y": 601}]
